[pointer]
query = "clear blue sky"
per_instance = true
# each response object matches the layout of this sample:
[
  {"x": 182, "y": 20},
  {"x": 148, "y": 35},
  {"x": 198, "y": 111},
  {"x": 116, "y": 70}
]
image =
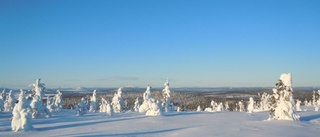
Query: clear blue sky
[{"x": 203, "y": 43}]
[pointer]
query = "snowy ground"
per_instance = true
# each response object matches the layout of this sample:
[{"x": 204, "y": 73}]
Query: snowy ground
[{"x": 233, "y": 124}]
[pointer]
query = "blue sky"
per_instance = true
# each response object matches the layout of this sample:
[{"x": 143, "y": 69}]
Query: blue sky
[{"x": 206, "y": 43}]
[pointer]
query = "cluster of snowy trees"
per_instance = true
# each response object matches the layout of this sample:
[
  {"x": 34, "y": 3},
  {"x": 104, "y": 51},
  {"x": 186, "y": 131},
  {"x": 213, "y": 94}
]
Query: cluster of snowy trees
[
  {"x": 280, "y": 104},
  {"x": 150, "y": 106},
  {"x": 27, "y": 107}
]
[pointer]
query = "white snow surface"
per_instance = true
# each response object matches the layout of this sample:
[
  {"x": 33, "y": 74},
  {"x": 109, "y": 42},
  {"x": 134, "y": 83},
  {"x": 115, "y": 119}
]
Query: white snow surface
[{"x": 226, "y": 123}]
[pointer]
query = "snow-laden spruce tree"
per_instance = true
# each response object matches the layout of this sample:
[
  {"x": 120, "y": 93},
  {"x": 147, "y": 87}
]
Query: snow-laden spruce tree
[
  {"x": 166, "y": 96},
  {"x": 58, "y": 101},
  {"x": 94, "y": 102},
  {"x": 38, "y": 89},
  {"x": 50, "y": 104},
  {"x": 282, "y": 103},
  {"x": 105, "y": 107},
  {"x": 314, "y": 100},
  {"x": 199, "y": 108},
  {"x": 3, "y": 95},
  {"x": 241, "y": 106},
  {"x": 226, "y": 104},
  {"x": 21, "y": 119},
  {"x": 136, "y": 105},
  {"x": 264, "y": 99},
  {"x": 220, "y": 107},
  {"x": 39, "y": 110},
  {"x": 298, "y": 104},
  {"x": 250, "y": 105},
  {"x": 3, "y": 98},
  {"x": 155, "y": 108},
  {"x": 10, "y": 102},
  {"x": 317, "y": 103},
  {"x": 213, "y": 107},
  {"x": 318, "y": 97},
  {"x": 144, "y": 107},
  {"x": 117, "y": 101},
  {"x": 81, "y": 108}
]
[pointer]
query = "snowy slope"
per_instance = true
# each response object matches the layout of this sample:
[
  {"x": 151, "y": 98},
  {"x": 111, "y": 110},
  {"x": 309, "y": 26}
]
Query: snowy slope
[{"x": 240, "y": 124}]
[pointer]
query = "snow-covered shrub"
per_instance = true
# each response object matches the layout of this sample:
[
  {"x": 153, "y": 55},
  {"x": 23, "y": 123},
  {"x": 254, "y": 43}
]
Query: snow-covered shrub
[
  {"x": 21, "y": 119},
  {"x": 250, "y": 105},
  {"x": 282, "y": 100},
  {"x": 93, "y": 102},
  {"x": 117, "y": 101}
]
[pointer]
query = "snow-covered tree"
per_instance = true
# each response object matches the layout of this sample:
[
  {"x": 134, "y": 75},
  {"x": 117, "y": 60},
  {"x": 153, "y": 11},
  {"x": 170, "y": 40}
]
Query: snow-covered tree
[
  {"x": 58, "y": 100},
  {"x": 39, "y": 110},
  {"x": 241, "y": 106},
  {"x": 50, "y": 104},
  {"x": 21, "y": 119},
  {"x": 220, "y": 107},
  {"x": 38, "y": 88},
  {"x": 146, "y": 100},
  {"x": 305, "y": 102},
  {"x": 10, "y": 102},
  {"x": 213, "y": 108},
  {"x": 199, "y": 108},
  {"x": 105, "y": 107},
  {"x": 226, "y": 104},
  {"x": 136, "y": 105},
  {"x": 155, "y": 108},
  {"x": 3, "y": 95},
  {"x": 81, "y": 108},
  {"x": 298, "y": 104},
  {"x": 264, "y": 102},
  {"x": 3, "y": 98},
  {"x": 109, "y": 109},
  {"x": 117, "y": 101},
  {"x": 178, "y": 109},
  {"x": 282, "y": 100},
  {"x": 314, "y": 100},
  {"x": 93, "y": 102},
  {"x": 318, "y": 97},
  {"x": 250, "y": 105},
  {"x": 166, "y": 96}
]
